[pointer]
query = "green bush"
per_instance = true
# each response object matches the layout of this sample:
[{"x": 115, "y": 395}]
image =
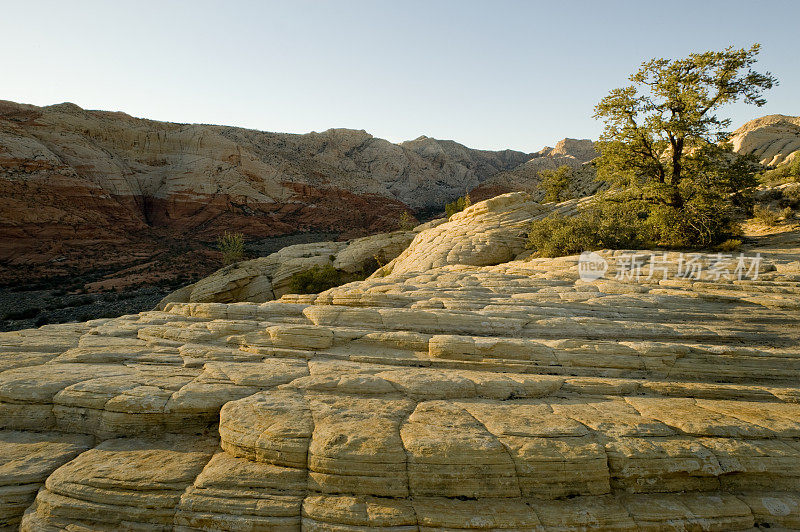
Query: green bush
[
  {"x": 457, "y": 206},
  {"x": 315, "y": 280},
  {"x": 556, "y": 183},
  {"x": 792, "y": 195},
  {"x": 231, "y": 245},
  {"x": 626, "y": 222},
  {"x": 320, "y": 278},
  {"x": 558, "y": 235},
  {"x": 605, "y": 225}
]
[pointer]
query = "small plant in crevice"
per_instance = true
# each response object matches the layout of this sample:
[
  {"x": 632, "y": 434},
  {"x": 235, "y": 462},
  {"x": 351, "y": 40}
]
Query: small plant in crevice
[{"x": 231, "y": 245}]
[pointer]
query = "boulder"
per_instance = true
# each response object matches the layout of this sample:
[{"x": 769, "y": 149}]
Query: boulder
[{"x": 268, "y": 278}]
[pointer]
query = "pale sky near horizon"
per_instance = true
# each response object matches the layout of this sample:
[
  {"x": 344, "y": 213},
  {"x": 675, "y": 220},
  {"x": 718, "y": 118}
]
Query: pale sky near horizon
[{"x": 489, "y": 74}]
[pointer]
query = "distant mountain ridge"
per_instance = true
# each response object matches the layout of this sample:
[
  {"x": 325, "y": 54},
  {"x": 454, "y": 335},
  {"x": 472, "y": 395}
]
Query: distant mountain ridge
[
  {"x": 72, "y": 178},
  {"x": 82, "y": 190},
  {"x": 570, "y": 152}
]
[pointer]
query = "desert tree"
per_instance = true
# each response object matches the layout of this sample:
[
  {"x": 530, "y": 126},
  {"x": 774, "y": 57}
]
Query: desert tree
[
  {"x": 675, "y": 181},
  {"x": 663, "y": 131},
  {"x": 556, "y": 183}
]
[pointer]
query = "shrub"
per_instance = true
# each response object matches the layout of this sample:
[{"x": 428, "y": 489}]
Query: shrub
[
  {"x": 457, "y": 206},
  {"x": 557, "y": 235},
  {"x": 732, "y": 244},
  {"x": 792, "y": 194},
  {"x": 605, "y": 225},
  {"x": 231, "y": 245},
  {"x": 556, "y": 182},
  {"x": 406, "y": 221},
  {"x": 314, "y": 280},
  {"x": 766, "y": 215},
  {"x": 628, "y": 222},
  {"x": 787, "y": 213},
  {"x": 320, "y": 278}
]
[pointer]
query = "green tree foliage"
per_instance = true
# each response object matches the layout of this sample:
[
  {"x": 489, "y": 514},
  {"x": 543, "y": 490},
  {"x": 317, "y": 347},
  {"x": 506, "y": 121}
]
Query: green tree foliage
[
  {"x": 662, "y": 129},
  {"x": 231, "y": 245},
  {"x": 457, "y": 206},
  {"x": 556, "y": 183},
  {"x": 676, "y": 183}
]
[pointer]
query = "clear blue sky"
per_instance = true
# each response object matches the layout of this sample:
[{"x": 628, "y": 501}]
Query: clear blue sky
[{"x": 491, "y": 74}]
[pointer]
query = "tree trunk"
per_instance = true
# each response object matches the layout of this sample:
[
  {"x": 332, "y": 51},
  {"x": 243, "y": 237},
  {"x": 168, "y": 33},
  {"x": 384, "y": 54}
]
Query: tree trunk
[{"x": 677, "y": 154}]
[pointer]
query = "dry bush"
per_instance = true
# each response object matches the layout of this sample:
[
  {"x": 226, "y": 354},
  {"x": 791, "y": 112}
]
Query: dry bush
[
  {"x": 231, "y": 245},
  {"x": 765, "y": 215}
]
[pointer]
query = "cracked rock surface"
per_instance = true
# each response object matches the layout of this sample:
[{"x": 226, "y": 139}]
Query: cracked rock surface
[{"x": 511, "y": 396}]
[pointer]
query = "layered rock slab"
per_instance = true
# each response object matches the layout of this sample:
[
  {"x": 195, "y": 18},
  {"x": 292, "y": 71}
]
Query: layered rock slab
[
  {"x": 512, "y": 396},
  {"x": 26, "y": 460}
]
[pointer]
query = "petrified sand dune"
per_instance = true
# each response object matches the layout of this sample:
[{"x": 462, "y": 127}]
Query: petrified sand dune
[
  {"x": 460, "y": 396},
  {"x": 267, "y": 278},
  {"x": 490, "y": 232},
  {"x": 773, "y": 139},
  {"x": 79, "y": 185}
]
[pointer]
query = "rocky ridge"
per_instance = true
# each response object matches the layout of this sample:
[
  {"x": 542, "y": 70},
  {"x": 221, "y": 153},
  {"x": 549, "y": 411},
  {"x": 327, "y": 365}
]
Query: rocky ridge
[
  {"x": 525, "y": 178},
  {"x": 79, "y": 185},
  {"x": 495, "y": 232},
  {"x": 267, "y": 278},
  {"x": 469, "y": 392},
  {"x": 130, "y": 201},
  {"x": 773, "y": 139}
]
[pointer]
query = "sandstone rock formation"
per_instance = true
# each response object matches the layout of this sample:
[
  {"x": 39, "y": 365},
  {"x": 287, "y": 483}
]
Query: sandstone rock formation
[
  {"x": 267, "y": 278},
  {"x": 773, "y": 139},
  {"x": 570, "y": 152},
  {"x": 459, "y": 396},
  {"x": 83, "y": 191},
  {"x": 489, "y": 232},
  {"x": 72, "y": 178}
]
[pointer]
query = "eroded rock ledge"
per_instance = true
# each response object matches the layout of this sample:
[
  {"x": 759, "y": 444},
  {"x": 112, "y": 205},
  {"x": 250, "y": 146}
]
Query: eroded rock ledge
[{"x": 511, "y": 396}]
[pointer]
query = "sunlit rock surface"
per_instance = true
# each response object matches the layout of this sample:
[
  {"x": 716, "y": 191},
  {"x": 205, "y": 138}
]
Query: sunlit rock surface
[
  {"x": 267, "y": 278},
  {"x": 510, "y": 396},
  {"x": 773, "y": 139}
]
